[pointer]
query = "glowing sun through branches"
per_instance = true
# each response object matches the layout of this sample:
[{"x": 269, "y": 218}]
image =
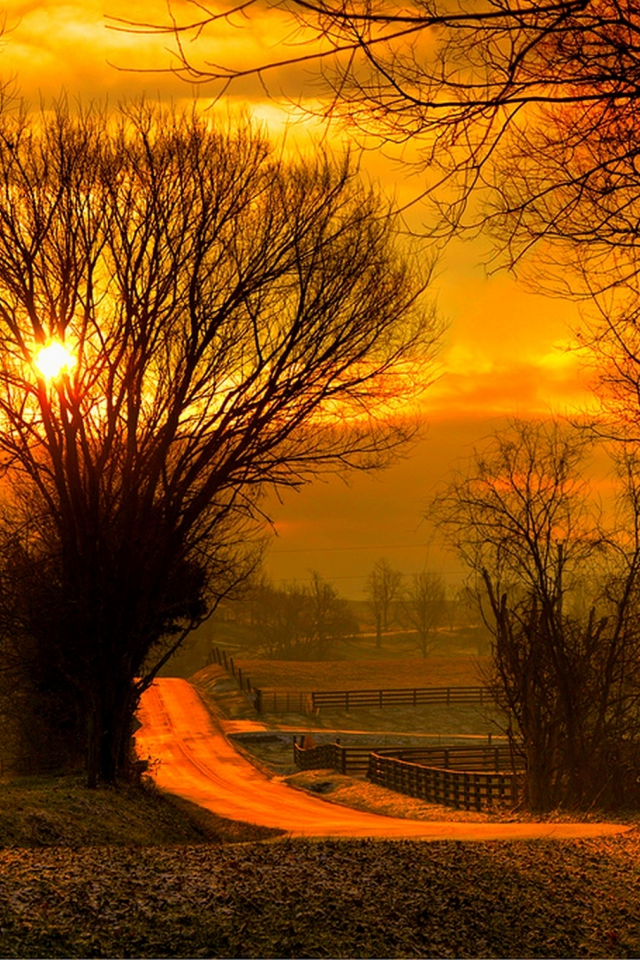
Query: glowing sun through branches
[{"x": 53, "y": 359}]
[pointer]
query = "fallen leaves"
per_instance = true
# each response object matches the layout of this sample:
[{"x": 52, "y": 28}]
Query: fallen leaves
[{"x": 293, "y": 898}]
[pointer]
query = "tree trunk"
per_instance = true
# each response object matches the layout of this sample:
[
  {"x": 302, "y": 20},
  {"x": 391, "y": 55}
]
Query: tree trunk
[{"x": 109, "y": 727}]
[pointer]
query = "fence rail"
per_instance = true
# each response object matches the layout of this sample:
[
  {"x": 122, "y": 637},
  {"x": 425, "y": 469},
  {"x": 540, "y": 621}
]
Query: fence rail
[
  {"x": 413, "y": 696},
  {"x": 470, "y": 777},
  {"x": 354, "y": 758},
  {"x": 283, "y": 701},
  {"x": 454, "y": 788},
  {"x": 275, "y": 700}
]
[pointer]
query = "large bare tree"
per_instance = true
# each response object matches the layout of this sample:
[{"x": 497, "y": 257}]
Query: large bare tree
[
  {"x": 560, "y": 597},
  {"x": 185, "y": 320},
  {"x": 529, "y": 105}
]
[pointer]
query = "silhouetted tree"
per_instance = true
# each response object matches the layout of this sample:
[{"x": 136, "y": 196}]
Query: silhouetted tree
[
  {"x": 296, "y": 622},
  {"x": 531, "y": 105},
  {"x": 383, "y": 589},
  {"x": 424, "y": 607},
  {"x": 233, "y": 322},
  {"x": 567, "y": 676}
]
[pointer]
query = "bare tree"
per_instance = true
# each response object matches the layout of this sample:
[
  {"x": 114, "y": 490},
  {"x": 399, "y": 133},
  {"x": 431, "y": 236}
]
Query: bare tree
[
  {"x": 297, "y": 622},
  {"x": 565, "y": 673},
  {"x": 530, "y": 104},
  {"x": 384, "y": 589},
  {"x": 184, "y": 320},
  {"x": 424, "y": 608},
  {"x": 331, "y": 617},
  {"x": 280, "y": 620}
]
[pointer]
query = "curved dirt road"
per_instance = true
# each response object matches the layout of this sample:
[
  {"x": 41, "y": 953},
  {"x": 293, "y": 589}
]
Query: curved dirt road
[{"x": 198, "y": 763}]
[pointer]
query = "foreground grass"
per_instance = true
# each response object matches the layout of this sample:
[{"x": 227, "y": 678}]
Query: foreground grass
[
  {"x": 61, "y": 811},
  {"x": 325, "y": 899}
]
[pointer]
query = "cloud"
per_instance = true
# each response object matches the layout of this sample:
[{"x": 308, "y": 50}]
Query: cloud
[{"x": 553, "y": 383}]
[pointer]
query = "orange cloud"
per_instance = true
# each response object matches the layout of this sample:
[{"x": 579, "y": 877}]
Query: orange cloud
[{"x": 550, "y": 384}]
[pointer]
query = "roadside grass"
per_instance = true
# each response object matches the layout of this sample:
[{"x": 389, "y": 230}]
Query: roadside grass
[{"x": 62, "y": 811}]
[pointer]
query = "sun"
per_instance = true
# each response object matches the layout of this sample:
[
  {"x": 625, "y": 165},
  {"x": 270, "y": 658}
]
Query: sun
[{"x": 53, "y": 359}]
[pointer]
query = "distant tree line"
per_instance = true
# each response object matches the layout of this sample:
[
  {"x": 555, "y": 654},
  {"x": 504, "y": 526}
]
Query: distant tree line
[{"x": 308, "y": 620}]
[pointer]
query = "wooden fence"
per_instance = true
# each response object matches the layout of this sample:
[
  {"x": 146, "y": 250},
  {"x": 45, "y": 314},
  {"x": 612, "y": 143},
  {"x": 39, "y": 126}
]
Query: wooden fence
[
  {"x": 347, "y": 759},
  {"x": 408, "y": 696},
  {"x": 227, "y": 663},
  {"x": 275, "y": 700},
  {"x": 354, "y": 758},
  {"x": 283, "y": 701},
  {"x": 454, "y": 788},
  {"x": 470, "y": 777}
]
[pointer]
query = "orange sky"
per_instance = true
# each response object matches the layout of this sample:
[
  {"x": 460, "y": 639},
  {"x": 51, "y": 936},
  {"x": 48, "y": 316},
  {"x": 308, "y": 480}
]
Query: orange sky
[{"x": 504, "y": 351}]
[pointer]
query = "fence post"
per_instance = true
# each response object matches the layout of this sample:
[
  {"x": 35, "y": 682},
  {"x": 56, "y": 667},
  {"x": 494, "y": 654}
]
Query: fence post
[
  {"x": 224, "y": 655},
  {"x": 232, "y": 666},
  {"x": 239, "y": 677},
  {"x": 258, "y": 693}
]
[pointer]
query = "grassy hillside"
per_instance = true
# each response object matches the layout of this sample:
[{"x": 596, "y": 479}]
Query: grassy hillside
[{"x": 61, "y": 811}]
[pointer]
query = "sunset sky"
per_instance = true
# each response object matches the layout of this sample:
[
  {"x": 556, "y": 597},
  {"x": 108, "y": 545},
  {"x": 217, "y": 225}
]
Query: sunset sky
[{"x": 505, "y": 350}]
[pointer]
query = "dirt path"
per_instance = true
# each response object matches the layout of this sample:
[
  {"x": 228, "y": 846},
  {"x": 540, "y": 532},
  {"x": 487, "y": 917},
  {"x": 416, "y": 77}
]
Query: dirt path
[{"x": 198, "y": 763}]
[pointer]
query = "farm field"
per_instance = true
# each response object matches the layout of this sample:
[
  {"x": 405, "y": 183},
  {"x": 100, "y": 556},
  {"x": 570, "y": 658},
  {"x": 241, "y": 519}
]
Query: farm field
[{"x": 436, "y": 671}]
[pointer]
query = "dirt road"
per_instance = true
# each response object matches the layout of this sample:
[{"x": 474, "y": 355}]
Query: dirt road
[{"x": 198, "y": 763}]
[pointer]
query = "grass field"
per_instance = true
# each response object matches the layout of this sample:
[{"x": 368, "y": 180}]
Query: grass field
[
  {"x": 60, "y": 811},
  {"x": 436, "y": 671}
]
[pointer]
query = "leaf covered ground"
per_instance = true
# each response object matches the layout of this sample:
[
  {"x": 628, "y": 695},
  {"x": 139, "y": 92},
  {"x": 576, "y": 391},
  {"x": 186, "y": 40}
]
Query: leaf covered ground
[{"x": 286, "y": 898}]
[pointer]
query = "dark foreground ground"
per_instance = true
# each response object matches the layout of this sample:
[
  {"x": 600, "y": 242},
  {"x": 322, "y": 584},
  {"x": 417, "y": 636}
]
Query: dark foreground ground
[{"x": 285, "y": 898}]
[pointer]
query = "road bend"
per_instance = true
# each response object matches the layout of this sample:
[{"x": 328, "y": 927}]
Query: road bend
[{"x": 197, "y": 762}]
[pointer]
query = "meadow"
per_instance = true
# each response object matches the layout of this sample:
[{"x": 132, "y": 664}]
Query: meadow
[{"x": 436, "y": 671}]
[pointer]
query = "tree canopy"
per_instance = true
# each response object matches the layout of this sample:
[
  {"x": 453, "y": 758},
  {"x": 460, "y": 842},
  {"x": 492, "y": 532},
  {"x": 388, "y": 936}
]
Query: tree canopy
[
  {"x": 521, "y": 115},
  {"x": 559, "y": 593},
  {"x": 231, "y": 321}
]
